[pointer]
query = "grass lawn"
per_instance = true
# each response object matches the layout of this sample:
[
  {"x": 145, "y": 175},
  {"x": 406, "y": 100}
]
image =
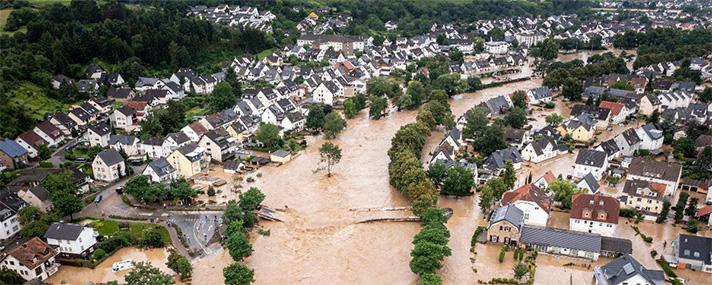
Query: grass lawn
[
  {"x": 265, "y": 53},
  {"x": 109, "y": 227},
  {"x": 34, "y": 100},
  {"x": 196, "y": 111},
  {"x": 47, "y": 2},
  {"x": 3, "y": 18}
]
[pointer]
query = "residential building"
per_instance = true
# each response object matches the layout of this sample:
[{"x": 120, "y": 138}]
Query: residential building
[
  {"x": 12, "y": 155},
  {"x": 651, "y": 137},
  {"x": 33, "y": 259},
  {"x": 505, "y": 225},
  {"x": 656, "y": 171},
  {"x": 626, "y": 270},
  {"x": 31, "y": 142},
  {"x": 561, "y": 242},
  {"x": 189, "y": 160},
  {"x": 533, "y": 202},
  {"x": 593, "y": 213},
  {"x": 218, "y": 144},
  {"x": 541, "y": 150},
  {"x": 71, "y": 240},
  {"x": 539, "y": 95},
  {"x": 643, "y": 196},
  {"x": 37, "y": 196},
  {"x": 591, "y": 161},
  {"x": 98, "y": 134},
  {"x": 108, "y": 166},
  {"x": 50, "y": 133},
  {"x": 692, "y": 252}
]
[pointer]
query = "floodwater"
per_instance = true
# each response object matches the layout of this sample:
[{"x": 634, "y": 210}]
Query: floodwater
[
  {"x": 322, "y": 241},
  {"x": 102, "y": 273},
  {"x": 584, "y": 55}
]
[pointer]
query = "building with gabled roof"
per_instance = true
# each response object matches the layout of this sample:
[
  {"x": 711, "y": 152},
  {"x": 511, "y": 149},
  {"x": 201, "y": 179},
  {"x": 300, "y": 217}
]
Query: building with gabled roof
[
  {"x": 533, "y": 202},
  {"x": 33, "y": 259},
  {"x": 626, "y": 270},
  {"x": 593, "y": 213}
]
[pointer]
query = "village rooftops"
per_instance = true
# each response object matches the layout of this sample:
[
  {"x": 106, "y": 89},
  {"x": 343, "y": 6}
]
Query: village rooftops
[
  {"x": 593, "y": 207},
  {"x": 655, "y": 169},
  {"x": 528, "y": 192},
  {"x": 560, "y": 238},
  {"x": 591, "y": 157},
  {"x": 33, "y": 253},
  {"x": 624, "y": 268}
]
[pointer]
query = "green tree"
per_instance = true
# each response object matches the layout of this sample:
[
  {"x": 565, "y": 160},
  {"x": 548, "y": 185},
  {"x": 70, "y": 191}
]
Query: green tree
[
  {"x": 573, "y": 88},
  {"x": 378, "y": 107},
  {"x": 476, "y": 122},
  {"x": 333, "y": 125},
  {"x": 554, "y": 119},
  {"x": 692, "y": 207},
  {"x": 455, "y": 55},
  {"x": 430, "y": 279},
  {"x": 437, "y": 172},
  {"x": 315, "y": 118},
  {"x": 417, "y": 92},
  {"x": 563, "y": 191},
  {"x": 251, "y": 199},
  {"x": 223, "y": 97},
  {"x": 519, "y": 99},
  {"x": 268, "y": 134},
  {"x": 490, "y": 193},
  {"x": 145, "y": 274},
  {"x": 624, "y": 85},
  {"x": 706, "y": 95},
  {"x": 238, "y": 274},
  {"x": 520, "y": 269},
  {"x": 8, "y": 276},
  {"x": 182, "y": 191},
  {"x": 459, "y": 181},
  {"x": 179, "y": 264},
  {"x": 491, "y": 140},
  {"x": 238, "y": 245},
  {"x": 60, "y": 182},
  {"x": 152, "y": 238},
  {"x": 509, "y": 177},
  {"x": 442, "y": 114},
  {"x": 426, "y": 118},
  {"x": 474, "y": 84},
  {"x": 516, "y": 118},
  {"x": 350, "y": 108},
  {"x": 450, "y": 83},
  {"x": 44, "y": 152},
  {"x": 331, "y": 154},
  {"x": 663, "y": 212},
  {"x": 704, "y": 160},
  {"x": 66, "y": 203},
  {"x": 680, "y": 206}
]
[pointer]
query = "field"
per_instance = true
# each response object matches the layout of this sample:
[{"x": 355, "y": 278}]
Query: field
[
  {"x": 108, "y": 228},
  {"x": 34, "y": 100},
  {"x": 3, "y": 17},
  {"x": 47, "y": 2}
]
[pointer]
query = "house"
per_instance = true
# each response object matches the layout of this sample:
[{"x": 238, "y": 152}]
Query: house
[
  {"x": 160, "y": 171},
  {"x": 704, "y": 214},
  {"x": 626, "y": 270},
  {"x": 593, "y": 213},
  {"x": 589, "y": 183},
  {"x": 600, "y": 115},
  {"x": 189, "y": 160},
  {"x": 64, "y": 123},
  {"x": 533, "y": 202},
  {"x": 194, "y": 131},
  {"x": 79, "y": 116},
  {"x": 174, "y": 141},
  {"x": 31, "y": 142},
  {"x": 98, "y": 134},
  {"x": 218, "y": 144},
  {"x": 643, "y": 196},
  {"x": 59, "y": 80},
  {"x": 618, "y": 111},
  {"x": 656, "y": 171},
  {"x": 327, "y": 92},
  {"x": 539, "y": 95},
  {"x": 505, "y": 225},
  {"x": 545, "y": 180},
  {"x": 498, "y": 105},
  {"x": 542, "y": 149},
  {"x": 281, "y": 156},
  {"x": 581, "y": 129},
  {"x": 71, "y": 240},
  {"x": 561, "y": 242},
  {"x": 12, "y": 155},
  {"x": 610, "y": 147},
  {"x": 108, "y": 166},
  {"x": 127, "y": 143},
  {"x": 10, "y": 204},
  {"x": 651, "y": 138},
  {"x": 37, "y": 196},
  {"x": 496, "y": 161},
  {"x": 50, "y": 133},
  {"x": 514, "y": 137},
  {"x": 33, "y": 259},
  {"x": 692, "y": 252},
  {"x": 591, "y": 161},
  {"x": 627, "y": 142},
  {"x": 124, "y": 118}
]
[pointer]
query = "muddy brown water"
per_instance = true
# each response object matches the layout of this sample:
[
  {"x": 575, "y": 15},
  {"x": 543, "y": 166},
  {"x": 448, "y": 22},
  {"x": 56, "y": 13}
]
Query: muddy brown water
[
  {"x": 321, "y": 241},
  {"x": 102, "y": 273}
]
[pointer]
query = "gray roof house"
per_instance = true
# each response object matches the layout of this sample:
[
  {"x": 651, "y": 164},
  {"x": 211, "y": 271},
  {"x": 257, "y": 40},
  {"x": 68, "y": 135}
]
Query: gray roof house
[
  {"x": 627, "y": 270},
  {"x": 562, "y": 242},
  {"x": 160, "y": 171},
  {"x": 694, "y": 251}
]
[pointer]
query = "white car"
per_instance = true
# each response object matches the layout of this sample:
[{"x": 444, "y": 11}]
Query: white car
[{"x": 122, "y": 265}]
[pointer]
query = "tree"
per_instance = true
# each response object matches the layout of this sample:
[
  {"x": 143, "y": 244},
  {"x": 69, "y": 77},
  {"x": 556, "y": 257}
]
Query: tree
[
  {"x": 450, "y": 83},
  {"x": 60, "y": 182},
  {"x": 223, "y": 97},
  {"x": 706, "y": 95},
  {"x": 516, "y": 118},
  {"x": 663, "y": 212},
  {"x": 455, "y": 55},
  {"x": 704, "y": 161},
  {"x": 442, "y": 113},
  {"x": 491, "y": 192},
  {"x": 315, "y": 118},
  {"x": 268, "y": 135},
  {"x": 624, "y": 85},
  {"x": 152, "y": 238},
  {"x": 474, "y": 84},
  {"x": 251, "y": 199},
  {"x": 572, "y": 89},
  {"x": 554, "y": 119},
  {"x": 44, "y": 152},
  {"x": 563, "y": 191},
  {"x": 520, "y": 269},
  {"x": 692, "y": 207},
  {"x": 333, "y": 125},
  {"x": 509, "y": 177},
  {"x": 331, "y": 154},
  {"x": 66, "y": 203},
  {"x": 145, "y": 274},
  {"x": 238, "y": 245},
  {"x": 476, "y": 122},
  {"x": 350, "y": 108},
  {"x": 378, "y": 106},
  {"x": 680, "y": 206},
  {"x": 8, "y": 276},
  {"x": 437, "y": 172},
  {"x": 459, "y": 181},
  {"x": 490, "y": 140},
  {"x": 416, "y": 92},
  {"x": 179, "y": 264},
  {"x": 519, "y": 99},
  {"x": 238, "y": 274},
  {"x": 182, "y": 191},
  {"x": 430, "y": 279},
  {"x": 426, "y": 118}
]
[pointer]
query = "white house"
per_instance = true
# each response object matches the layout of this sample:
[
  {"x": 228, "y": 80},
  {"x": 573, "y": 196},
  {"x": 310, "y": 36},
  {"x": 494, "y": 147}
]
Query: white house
[
  {"x": 651, "y": 138},
  {"x": 540, "y": 150},
  {"x": 108, "y": 166},
  {"x": 50, "y": 133},
  {"x": 34, "y": 259},
  {"x": 656, "y": 171},
  {"x": 539, "y": 95},
  {"x": 160, "y": 171},
  {"x": 129, "y": 144},
  {"x": 593, "y": 213},
  {"x": 71, "y": 240},
  {"x": 533, "y": 202},
  {"x": 9, "y": 224},
  {"x": 123, "y": 118},
  {"x": 591, "y": 161},
  {"x": 328, "y": 93},
  {"x": 98, "y": 134},
  {"x": 626, "y": 270}
]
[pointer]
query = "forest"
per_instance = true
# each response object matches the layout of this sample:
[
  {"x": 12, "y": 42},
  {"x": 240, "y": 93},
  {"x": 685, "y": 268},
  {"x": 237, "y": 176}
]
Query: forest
[
  {"x": 665, "y": 44},
  {"x": 135, "y": 41}
]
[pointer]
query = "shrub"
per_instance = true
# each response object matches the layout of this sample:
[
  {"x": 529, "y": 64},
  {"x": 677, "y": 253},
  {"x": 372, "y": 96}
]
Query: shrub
[
  {"x": 151, "y": 238},
  {"x": 99, "y": 254},
  {"x": 628, "y": 213},
  {"x": 502, "y": 252},
  {"x": 654, "y": 253},
  {"x": 211, "y": 191},
  {"x": 46, "y": 164},
  {"x": 666, "y": 267},
  {"x": 550, "y": 105}
]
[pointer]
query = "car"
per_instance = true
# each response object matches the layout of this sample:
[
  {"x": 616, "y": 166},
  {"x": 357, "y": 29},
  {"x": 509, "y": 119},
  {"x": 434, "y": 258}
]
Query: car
[
  {"x": 120, "y": 190},
  {"x": 80, "y": 159},
  {"x": 97, "y": 199},
  {"x": 122, "y": 265}
]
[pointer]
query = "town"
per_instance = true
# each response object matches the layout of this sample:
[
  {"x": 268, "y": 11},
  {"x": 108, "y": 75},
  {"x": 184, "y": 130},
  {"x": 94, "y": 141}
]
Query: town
[{"x": 240, "y": 142}]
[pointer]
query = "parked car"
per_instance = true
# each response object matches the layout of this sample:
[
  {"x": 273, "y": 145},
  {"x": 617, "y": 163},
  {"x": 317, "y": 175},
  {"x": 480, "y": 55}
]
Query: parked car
[
  {"x": 97, "y": 199},
  {"x": 120, "y": 190}
]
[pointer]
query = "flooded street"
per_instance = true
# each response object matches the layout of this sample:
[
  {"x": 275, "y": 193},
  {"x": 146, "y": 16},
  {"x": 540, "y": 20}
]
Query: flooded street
[{"x": 102, "y": 273}]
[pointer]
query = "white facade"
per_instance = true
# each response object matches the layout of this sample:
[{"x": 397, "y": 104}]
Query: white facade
[
  {"x": 85, "y": 242},
  {"x": 597, "y": 172},
  {"x": 10, "y": 226},
  {"x": 533, "y": 214},
  {"x": 598, "y": 227}
]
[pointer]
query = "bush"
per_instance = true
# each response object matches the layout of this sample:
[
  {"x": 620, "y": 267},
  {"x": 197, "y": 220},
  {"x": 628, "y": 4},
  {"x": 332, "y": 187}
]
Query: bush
[
  {"x": 654, "y": 253},
  {"x": 46, "y": 164},
  {"x": 628, "y": 213},
  {"x": 99, "y": 254},
  {"x": 502, "y": 252},
  {"x": 549, "y": 105},
  {"x": 211, "y": 191},
  {"x": 151, "y": 238},
  {"x": 666, "y": 267}
]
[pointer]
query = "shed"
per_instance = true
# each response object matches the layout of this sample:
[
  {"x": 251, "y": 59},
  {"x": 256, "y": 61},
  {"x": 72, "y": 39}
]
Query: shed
[{"x": 281, "y": 156}]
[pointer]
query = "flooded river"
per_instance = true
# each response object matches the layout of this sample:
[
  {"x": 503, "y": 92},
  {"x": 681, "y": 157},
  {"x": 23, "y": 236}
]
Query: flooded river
[
  {"x": 102, "y": 273},
  {"x": 322, "y": 242}
]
